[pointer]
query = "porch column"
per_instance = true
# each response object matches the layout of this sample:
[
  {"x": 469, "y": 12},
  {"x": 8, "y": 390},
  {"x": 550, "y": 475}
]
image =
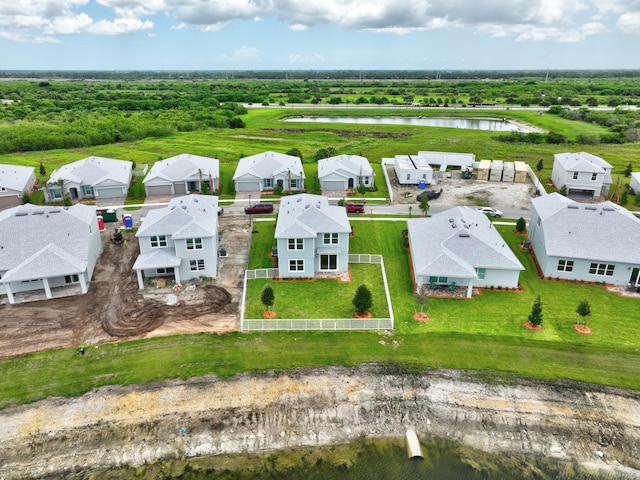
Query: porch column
[
  {"x": 140, "y": 280},
  {"x": 7, "y": 289},
  {"x": 469, "y": 288},
  {"x": 47, "y": 288},
  {"x": 83, "y": 282},
  {"x": 176, "y": 274}
]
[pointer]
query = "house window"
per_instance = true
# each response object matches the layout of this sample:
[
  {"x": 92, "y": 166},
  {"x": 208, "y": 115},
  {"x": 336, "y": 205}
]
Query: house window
[
  {"x": 55, "y": 193},
  {"x": 594, "y": 177},
  {"x": 366, "y": 180},
  {"x": 328, "y": 262},
  {"x": 408, "y": 176},
  {"x": 481, "y": 273},
  {"x": 268, "y": 183},
  {"x": 158, "y": 241},
  {"x": 438, "y": 279},
  {"x": 294, "y": 183},
  {"x": 565, "y": 265},
  {"x": 575, "y": 175},
  {"x": 601, "y": 269},
  {"x": 194, "y": 244},
  {"x": 2, "y": 189},
  {"x": 424, "y": 176},
  {"x": 71, "y": 279},
  {"x": 87, "y": 190},
  {"x": 196, "y": 265},
  {"x": 164, "y": 271},
  {"x": 296, "y": 265},
  {"x": 296, "y": 244},
  {"x": 330, "y": 239}
]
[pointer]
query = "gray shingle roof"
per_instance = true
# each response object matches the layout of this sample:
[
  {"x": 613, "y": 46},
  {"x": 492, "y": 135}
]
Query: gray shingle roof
[
  {"x": 305, "y": 216},
  {"x": 582, "y": 162},
  {"x": 15, "y": 177},
  {"x": 156, "y": 259},
  {"x": 94, "y": 171},
  {"x": 352, "y": 164},
  {"x": 189, "y": 216},
  {"x": 268, "y": 164},
  {"x": 38, "y": 242},
  {"x": 456, "y": 242},
  {"x": 182, "y": 167},
  {"x": 602, "y": 231}
]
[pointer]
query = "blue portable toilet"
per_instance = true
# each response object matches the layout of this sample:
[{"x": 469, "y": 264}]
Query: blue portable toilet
[
  {"x": 423, "y": 184},
  {"x": 128, "y": 221}
]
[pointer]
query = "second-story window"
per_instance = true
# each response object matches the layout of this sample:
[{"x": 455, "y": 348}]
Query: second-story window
[
  {"x": 158, "y": 241},
  {"x": 594, "y": 177},
  {"x": 330, "y": 239},
  {"x": 575, "y": 175},
  {"x": 296, "y": 244},
  {"x": 194, "y": 243}
]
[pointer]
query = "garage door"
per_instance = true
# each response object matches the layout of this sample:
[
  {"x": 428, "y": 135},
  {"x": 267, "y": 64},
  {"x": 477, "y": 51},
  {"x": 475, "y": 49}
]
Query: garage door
[
  {"x": 248, "y": 186},
  {"x": 158, "y": 189},
  {"x": 335, "y": 185},
  {"x": 111, "y": 192}
]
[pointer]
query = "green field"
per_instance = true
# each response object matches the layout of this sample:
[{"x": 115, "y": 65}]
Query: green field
[{"x": 484, "y": 333}]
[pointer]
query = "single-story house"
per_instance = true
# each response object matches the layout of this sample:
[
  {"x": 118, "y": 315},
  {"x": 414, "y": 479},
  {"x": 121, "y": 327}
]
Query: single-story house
[
  {"x": 182, "y": 174},
  {"x": 448, "y": 159},
  {"x": 584, "y": 175},
  {"x": 180, "y": 240},
  {"x": 412, "y": 170},
  {"x": 14, "y": 182},
  {"x": 585, "y": 241},
  {"x": 460, "y": 245},
  {"x": 90, "y": 177},
  {"x": 46, "y": 247},
  {"x": 266, "y": 170},
  {"x": 345, "y": 172},
  {"x": 312, "y": 236}
]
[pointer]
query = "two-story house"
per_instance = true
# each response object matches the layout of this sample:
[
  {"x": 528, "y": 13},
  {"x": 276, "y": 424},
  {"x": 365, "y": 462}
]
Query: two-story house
[
  {"x": 312, "y": 236},
  {"x": 266, "y": 170},
  {"x": 90, "y": 177},
  {"x": 584, "y": 175},
  {"x": 180, "y": 240}
]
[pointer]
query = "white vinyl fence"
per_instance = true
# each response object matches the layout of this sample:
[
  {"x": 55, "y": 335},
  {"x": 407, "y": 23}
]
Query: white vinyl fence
[{"x": 251, "y": 324}]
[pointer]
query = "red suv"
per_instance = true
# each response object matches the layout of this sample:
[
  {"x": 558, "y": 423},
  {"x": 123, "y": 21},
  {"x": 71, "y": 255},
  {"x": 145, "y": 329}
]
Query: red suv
[{"x": 259, "y": 208}]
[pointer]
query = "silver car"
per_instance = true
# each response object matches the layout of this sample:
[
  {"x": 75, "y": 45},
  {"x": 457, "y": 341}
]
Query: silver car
[{"x": 490, "y": 211}]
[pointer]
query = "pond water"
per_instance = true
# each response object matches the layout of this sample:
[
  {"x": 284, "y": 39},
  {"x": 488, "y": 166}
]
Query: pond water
[
  {"x": 490, "y": 124},
  {"x": 379, "y": 459}
]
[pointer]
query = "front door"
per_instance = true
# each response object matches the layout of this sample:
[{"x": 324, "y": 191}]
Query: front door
[
  {"x": 635, "y": 273},
  {"x": 350, "y": 182},
  {"x": 328, "y": 262},
  {"x": 193, "y": 186}
]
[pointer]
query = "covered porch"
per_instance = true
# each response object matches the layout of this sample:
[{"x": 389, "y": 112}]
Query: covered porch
[{"x": 159, "y": 262}]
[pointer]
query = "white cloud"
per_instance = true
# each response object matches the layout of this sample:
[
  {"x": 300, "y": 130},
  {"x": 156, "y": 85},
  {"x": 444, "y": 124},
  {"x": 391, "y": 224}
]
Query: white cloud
[
  {"x": 119, "y": 26},
  {"x": 305, "y": 59},
  {"x": 629, "y": 22},
  {"x": 68, "y": 25},
  {"x": 243, "y": 53}
]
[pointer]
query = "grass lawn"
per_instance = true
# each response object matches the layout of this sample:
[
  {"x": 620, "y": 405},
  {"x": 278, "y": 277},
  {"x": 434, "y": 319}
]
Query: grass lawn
[{"x": 309, "y": 298}]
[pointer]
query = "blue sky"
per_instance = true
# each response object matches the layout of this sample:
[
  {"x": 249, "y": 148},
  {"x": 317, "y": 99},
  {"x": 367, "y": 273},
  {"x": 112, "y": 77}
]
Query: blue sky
[{"x": 319, "y": 34}]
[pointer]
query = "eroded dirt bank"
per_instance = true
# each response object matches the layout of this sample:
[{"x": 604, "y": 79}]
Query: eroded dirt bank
[{"x": 248, "y": 413}]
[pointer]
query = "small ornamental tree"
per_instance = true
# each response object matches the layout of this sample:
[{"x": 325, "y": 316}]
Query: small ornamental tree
[
  {"x": 540, "y": 165},
  {"x": 422, "y": 299},
  {"x": 628, "y": 170},
  {"x": 362, "y": 300},
  {"x": 424, "y": 205},
  {"x": 43, "y": 171},
  {"x": 521, "y": 225},
  {"x": 267, "y": 297},
  {"x": 584, "y": 310},
  {"x": 26, "y": 198},
  {"x": 535, "y": 317}
]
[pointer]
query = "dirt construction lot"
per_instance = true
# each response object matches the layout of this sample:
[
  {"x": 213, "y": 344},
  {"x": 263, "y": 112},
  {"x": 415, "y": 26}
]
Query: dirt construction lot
[{"x": 115, "y": 309}]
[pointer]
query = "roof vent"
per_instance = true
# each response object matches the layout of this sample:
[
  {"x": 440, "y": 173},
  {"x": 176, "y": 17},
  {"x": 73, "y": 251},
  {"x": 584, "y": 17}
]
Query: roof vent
[
  {"x": 37, "y": 212},
  {"x": 184, "y": 207},
  {"x": 464, "y": 235},
  {"x": 21, "y": 214},
  {"x": 572, "y": 206},
  {"x": 55, "y": 210},
  {"x": 590, "y": 207},
  {"x": 608, "y": 209}
]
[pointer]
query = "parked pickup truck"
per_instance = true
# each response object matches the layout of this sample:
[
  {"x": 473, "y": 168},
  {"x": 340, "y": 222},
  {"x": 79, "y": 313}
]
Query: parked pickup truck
[
  {"x": 259, "y": 208},
  {"x": 355, "y": 207}
]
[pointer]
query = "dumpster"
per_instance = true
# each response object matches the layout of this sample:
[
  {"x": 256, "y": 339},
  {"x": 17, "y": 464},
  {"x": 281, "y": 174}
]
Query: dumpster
[{"x": 108, "y": 214}]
